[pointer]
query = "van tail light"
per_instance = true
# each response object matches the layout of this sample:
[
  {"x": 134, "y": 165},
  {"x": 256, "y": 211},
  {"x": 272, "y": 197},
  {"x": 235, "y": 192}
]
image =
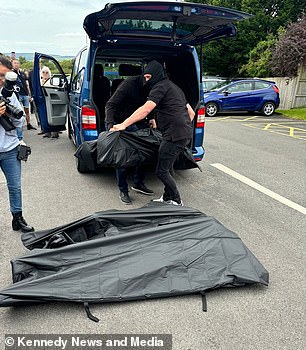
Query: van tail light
[
  {"x": 276, "y": 89},
  {"x": 201, "y": 118},
  {"x": 89, "y": 120}
]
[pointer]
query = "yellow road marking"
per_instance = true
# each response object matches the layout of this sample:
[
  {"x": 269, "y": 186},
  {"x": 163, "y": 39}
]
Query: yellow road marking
[
  {"x": 294, "y": 137},
  {"x": 286, "y": 130},
  {"x": 267, "y": 126},
  {"x": 290, "y": 131},
  {"x": 244, "y": 120},
  {"x": 216, "y": 120}
]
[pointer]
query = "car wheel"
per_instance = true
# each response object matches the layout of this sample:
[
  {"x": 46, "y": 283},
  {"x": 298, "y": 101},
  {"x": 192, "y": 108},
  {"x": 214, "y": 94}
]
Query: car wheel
[
  {"x": 211, "y": 109},
  {"x": 268, "y": 108}
]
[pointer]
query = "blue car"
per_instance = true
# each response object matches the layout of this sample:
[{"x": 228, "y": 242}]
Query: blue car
[
  {"x": 122, "y": 38},
  {"x": 242, "y": 95}
]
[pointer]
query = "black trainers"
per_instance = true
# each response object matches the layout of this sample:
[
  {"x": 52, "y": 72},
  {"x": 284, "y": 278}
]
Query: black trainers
[
  {"x": 30, "y": 127},
  {"x": 142, "y": 189},
  {"x": 175, "y": 203},
  {"x": 160, "y": 200},
  {"x": 125, "y": 198},
  {"x": 54, "y": 135}
]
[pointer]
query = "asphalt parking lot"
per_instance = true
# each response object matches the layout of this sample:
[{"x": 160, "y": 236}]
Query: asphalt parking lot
[{"x": 253, "y": 181}]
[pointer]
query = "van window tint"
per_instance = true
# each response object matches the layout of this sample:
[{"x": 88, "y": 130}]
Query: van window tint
[
  {"x": 123, "y": 26},
  {"x": 75, "y": 67},
  {"x": 261, "y": 85},
  {"x": 82, "y": 59},
  {"x": 240, "y": 87},
  {"x": 77, "y": 79}
]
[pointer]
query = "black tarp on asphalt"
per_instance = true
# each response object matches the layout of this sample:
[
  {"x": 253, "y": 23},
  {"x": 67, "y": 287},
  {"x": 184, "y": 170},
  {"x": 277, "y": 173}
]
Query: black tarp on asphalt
[
  {"x": 155, "y": 251},
  {"x": 127, "y": 149}
]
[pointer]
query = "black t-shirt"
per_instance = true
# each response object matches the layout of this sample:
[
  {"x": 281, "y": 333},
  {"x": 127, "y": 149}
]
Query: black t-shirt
[
  {"x": 128, "y": 97},
  {"x": 31, "y": 75},
  {"x": 171, "y": 112},
  {"x": 21, "y": 82}
]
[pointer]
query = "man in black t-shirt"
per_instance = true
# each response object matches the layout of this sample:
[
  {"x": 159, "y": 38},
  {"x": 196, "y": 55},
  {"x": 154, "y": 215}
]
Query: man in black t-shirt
[
  {"x": 128, "y": 96},
  {"x": 174, "y": 120},
  {"x": 24, "y": 93}
]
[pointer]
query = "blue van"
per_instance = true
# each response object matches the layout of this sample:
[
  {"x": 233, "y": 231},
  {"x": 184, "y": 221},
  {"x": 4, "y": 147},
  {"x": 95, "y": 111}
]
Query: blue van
[{"x": 123, "y": 38}]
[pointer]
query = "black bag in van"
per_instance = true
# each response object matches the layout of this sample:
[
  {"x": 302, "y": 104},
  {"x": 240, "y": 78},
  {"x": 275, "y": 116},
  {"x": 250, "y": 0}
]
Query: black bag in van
[
  {"x": 87, "y": 156},
  {"x": 127, "y": 149}
]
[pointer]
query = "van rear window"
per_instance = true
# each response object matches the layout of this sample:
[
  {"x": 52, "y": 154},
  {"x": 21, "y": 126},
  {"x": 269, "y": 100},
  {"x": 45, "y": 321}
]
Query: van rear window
[{"x": 128, "y": 26}]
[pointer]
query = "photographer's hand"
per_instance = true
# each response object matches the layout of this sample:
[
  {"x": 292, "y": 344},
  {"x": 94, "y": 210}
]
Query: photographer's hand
[{"x": 2, "y": 109}]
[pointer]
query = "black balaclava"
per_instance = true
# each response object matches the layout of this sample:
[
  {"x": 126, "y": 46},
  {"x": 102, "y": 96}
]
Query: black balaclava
[{"x": 158, "y": 74}]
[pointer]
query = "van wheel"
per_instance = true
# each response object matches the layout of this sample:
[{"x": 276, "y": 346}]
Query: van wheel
[
  {"x": 268, "y": 108},
  {"x": 211, "y": 109}
]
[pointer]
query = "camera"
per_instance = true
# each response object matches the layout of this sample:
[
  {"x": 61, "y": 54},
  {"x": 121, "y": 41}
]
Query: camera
[
  {"x": 24, "y": 152},
  {"x": 12, "y": 111}
]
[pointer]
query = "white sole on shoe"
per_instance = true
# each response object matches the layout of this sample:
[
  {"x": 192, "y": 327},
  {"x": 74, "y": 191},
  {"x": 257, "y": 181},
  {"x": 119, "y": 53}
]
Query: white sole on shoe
[
  {"x": 138, "y": 190},
  {"x": 175, "y": 203},
  {"x": 125, "y": 202}
]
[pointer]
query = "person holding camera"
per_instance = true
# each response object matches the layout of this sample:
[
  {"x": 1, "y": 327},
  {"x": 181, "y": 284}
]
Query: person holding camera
[{"x": 9, "y": 149}]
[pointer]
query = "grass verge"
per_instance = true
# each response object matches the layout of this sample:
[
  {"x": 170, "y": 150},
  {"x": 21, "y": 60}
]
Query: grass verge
[{"x": 294, "y": 113}]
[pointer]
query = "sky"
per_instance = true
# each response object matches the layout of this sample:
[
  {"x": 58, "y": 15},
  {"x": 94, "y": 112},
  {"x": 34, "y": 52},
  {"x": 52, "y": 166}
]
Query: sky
[{"x": 47, "y": 26}]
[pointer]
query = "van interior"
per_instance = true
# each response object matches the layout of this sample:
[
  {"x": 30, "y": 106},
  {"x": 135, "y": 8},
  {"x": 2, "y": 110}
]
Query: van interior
[{"x": 112, "y": 66}]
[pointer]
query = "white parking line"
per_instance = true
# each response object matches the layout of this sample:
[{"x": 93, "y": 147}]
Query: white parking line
[{"x": 260, "y": 188}]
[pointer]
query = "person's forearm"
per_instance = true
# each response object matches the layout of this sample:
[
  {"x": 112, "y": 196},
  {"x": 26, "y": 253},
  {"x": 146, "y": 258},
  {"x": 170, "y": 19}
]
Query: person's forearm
[
  {"x": 2, "y": 109},
  {"x": 190, "y": 112},
  {"x": 138, "y": 115},
  {"x": 28, "y": 88}
]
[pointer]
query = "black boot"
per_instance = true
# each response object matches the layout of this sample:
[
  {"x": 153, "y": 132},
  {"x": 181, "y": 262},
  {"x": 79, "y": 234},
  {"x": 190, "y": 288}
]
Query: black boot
[
  {"x": 19, "y": 223},
  {"x": 30, "y": 127}
]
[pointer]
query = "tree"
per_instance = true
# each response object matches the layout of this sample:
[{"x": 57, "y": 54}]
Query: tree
[
  {"x": 22, "y": 60},
  {"x": 260, "y": 59},
  {"x": 227, "y": 56},
  {"x": 290, "y": 50},
  {"x": 65, "y": 64}
]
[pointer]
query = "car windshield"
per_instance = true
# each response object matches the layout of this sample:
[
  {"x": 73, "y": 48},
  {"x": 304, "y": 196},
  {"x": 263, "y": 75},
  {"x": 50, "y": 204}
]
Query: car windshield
[
  {"x": 209, "y": 85},
  {"x": 219, "y": 86}
]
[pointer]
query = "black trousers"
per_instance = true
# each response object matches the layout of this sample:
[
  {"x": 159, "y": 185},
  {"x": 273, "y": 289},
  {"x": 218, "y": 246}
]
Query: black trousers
[{"x": 167, "y": 154}]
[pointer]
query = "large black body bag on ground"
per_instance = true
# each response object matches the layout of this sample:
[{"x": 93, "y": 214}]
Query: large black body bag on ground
[
  {"x": 126, "y": 149},
  {"x": 155, "y": 251}
]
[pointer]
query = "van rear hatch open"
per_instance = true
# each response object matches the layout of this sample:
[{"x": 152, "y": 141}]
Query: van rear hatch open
[{"x": 177, "y": 22}]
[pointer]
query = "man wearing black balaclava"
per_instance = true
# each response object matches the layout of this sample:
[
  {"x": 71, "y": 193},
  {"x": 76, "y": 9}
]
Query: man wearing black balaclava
[
  {"x": 174, "y": 119},
  {"x": 129, "y": 95}
]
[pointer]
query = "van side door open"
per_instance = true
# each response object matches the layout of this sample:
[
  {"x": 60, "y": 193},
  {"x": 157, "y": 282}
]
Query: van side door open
[{"x": 50, "y": 93}]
